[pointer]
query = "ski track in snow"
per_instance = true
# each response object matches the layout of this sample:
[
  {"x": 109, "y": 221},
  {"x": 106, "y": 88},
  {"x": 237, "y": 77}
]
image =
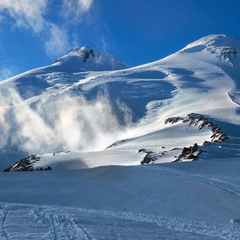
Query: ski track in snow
[
  {"x": 25, "y": 221},
  {"x": 33, "y": 222}
]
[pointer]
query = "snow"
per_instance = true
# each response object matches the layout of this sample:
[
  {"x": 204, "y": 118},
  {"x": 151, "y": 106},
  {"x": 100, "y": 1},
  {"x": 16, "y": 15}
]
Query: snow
[
  {"x": 65, "y": 223},
  {"x": 92, "y": 119},
  {"x": 182, "y": 200},
  {"x": 87, "y": 59}
]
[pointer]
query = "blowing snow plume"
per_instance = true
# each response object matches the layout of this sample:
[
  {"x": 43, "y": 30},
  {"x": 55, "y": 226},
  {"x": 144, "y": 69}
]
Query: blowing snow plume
[{"x": 59, "y": 123}]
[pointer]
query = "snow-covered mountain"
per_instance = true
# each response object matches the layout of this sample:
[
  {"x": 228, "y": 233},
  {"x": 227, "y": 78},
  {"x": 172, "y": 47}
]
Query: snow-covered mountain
[
  {"x": 87, "y": 59},
  {"x": 90, "y": 110},
  {"x": 76, "y": 105}
]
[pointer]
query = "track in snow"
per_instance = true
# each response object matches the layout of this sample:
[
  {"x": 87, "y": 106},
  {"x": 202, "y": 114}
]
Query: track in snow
[{"x": 28, "y": 222}]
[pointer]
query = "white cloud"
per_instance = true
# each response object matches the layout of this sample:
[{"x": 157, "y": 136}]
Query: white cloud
[
  {"x": 26, "y": 13},
  {"x": 85, "y": 4},
  {"x": 6, "y": 72},
  {"x": 57, "y": 42},
  {"x": 31, "y": 15},
  {"x": 75, "y": 9}
]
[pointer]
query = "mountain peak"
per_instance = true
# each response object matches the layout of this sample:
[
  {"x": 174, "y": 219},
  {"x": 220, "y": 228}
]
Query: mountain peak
[
  {"x": 215, "y": 40},
  {"x": 219, "y": 45},
  {"x": 84, "y": 52},
  {"x": 85, "y": 58}
]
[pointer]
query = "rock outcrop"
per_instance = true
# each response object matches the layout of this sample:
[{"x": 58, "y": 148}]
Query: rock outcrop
[{"x": 26, "y": 164}]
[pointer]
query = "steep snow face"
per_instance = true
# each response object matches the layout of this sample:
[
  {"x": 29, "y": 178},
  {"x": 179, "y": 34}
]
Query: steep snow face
[
  {"x": 88, "y": 59},
  {"x": 206, "y": 81}
]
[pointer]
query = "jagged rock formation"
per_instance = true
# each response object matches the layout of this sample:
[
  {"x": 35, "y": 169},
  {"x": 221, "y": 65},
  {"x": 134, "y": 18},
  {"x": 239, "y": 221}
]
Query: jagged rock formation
[
  {"x": 81, "y": 59},
  {"x": 26, "y": 164},
  {"x": 172, "y": 120},
  {"x": 84, "y": 53},
  {"x": 117, "y": 143},
  {"x": 191, "y": 152},
  {"x": 150, "y": 156},
  {"x": 200, "y": 122}
]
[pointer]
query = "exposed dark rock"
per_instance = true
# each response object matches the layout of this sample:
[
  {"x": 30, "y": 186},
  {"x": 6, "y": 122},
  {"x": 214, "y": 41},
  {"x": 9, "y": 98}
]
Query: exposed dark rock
[
  {"x": 191, "y": 156},
  {"x": 229, "y": 54},
  {"x": 191, "y": 152},
  {"x": 87, "y": 54},
  {"x": 55, "y": 153},
  {"x": 200, "y": 122},
  {"x": 142, "y": 150},
  {"x": 117, "y": 143},
  {"x": 25, "y": 164},
  {"x": 194, "y": 148},
  {"x": 44, "y": 169},
  {"x": 206, "y": 143},
  {"x": 172, "y": 120},
  {"x": 150, "y": 156},
  {"x": 92, "y": 52},
  {"x": 235, "y": 220}
]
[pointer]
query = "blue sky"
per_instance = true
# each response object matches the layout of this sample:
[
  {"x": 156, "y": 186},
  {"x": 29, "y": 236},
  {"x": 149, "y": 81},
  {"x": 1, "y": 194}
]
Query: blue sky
[{"x": 35, "y": 33}]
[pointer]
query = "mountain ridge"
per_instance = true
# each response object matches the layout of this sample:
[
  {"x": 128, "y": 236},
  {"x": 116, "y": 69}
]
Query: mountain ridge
[{"x": 54, "y": 110}]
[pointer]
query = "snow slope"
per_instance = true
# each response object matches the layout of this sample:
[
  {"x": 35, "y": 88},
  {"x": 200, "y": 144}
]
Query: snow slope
[
  {"x": 88, "y": 113},
  {"x": 89, "y": 110},
  {"x": 172, "y": 201}
]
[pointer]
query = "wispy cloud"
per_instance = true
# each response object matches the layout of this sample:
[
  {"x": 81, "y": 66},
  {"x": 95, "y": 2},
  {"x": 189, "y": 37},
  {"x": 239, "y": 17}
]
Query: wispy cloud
[
  {"x": 57, "y": 42},
  {"x": 75, "y": 10},
  {"x": 32, "y": 15},
  {"x": 26, "y": 13},
  {"x": 7, "y": 71}
]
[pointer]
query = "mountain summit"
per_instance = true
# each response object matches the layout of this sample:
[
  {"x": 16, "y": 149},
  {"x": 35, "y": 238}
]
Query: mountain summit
[
  {"x": 85, "y": 58},
  {"x": 219, "y": 45}
]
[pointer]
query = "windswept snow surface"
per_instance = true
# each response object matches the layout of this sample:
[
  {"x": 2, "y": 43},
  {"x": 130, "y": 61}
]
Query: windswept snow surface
[
  {"x": 170, "y": 201},
  {"x": 93, "y": 120}
]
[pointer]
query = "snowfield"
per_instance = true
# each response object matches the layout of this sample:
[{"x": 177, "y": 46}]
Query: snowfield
[
  {"x": 146, "y": 152},
  {"x": 193, "y": 200},
  {"x": 64, "y": 223}
]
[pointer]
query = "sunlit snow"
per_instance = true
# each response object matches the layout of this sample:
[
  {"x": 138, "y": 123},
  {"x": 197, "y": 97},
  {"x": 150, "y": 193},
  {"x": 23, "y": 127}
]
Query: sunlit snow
[{"x": 92, "y": 120}]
